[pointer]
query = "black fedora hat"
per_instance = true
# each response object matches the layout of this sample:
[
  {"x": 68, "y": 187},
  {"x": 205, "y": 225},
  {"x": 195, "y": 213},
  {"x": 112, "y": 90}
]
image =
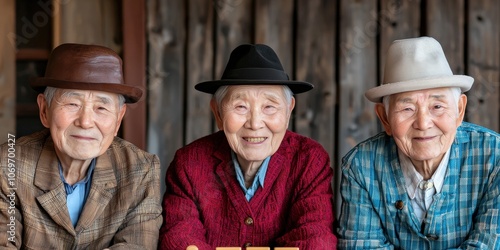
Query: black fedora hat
[{"x": 254, "y": 64}]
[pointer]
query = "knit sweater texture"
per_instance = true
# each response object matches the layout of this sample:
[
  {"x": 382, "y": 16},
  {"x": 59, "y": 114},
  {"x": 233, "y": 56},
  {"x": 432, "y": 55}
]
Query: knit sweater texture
[{"x": 205, "y": 206}]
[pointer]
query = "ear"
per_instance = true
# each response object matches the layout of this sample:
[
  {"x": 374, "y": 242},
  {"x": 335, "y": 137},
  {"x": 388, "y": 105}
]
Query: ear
[
  {"x": 43, "y": 110},
  {"x": 382, "y": 116},
  {"x": 292, "y": 104},
  {"x": 121, "y": 114},
  {"x": 462, "y": 103},
  {"x": 215, "y": 111}
]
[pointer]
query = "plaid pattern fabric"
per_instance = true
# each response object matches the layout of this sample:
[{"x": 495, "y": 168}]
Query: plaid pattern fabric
[
  {"x": 122, "y": 209},
  {"x": 376, "y": 211},
  {"x": 204, "y": 205}
]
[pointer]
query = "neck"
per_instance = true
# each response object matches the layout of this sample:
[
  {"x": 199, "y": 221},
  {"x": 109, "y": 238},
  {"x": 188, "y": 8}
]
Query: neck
[
  {"x": 249, "y": 169},
  {"x": 74, "y": 170},
  {"x": 427, "y": 168}
]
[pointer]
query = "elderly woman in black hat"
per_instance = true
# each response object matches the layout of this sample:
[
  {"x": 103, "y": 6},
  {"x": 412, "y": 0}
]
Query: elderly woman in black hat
[
  {"x": 430, "y": 180},
  {"x": 75, "y": 185},
  {"x": 253, "y": 183}
]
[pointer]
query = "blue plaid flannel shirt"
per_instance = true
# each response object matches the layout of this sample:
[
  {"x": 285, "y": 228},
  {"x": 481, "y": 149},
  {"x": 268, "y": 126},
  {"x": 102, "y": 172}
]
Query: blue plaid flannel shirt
[{"x": 376, "y": 210}]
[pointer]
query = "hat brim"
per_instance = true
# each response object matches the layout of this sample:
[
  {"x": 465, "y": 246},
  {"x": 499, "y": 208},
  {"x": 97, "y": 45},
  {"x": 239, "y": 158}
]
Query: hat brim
[
  {"x": 211, "y": 86},
  {"x": 462, "y": 81},
  {"x": 132, "y": 94}
]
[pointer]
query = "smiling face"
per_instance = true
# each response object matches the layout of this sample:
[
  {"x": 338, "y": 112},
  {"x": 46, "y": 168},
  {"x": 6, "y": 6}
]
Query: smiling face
[
  {"x": 255, "y": 119},
  {"x": 423, "y": 123},
  {"x": 82, "y": 123}
]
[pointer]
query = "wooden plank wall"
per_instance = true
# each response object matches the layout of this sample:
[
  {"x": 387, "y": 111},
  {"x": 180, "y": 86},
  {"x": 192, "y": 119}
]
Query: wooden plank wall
[
  {"x": 339, "y": 46},
  {"x": 7, "y": 70}
]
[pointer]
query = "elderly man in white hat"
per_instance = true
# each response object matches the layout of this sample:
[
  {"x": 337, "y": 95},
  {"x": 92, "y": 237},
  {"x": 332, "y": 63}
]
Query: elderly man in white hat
[{"x": 430, "y": 181}]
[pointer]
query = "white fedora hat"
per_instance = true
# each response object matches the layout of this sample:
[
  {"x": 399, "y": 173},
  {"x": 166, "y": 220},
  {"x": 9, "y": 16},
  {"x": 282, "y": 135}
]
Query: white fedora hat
[{"x": 416, "y": 64}]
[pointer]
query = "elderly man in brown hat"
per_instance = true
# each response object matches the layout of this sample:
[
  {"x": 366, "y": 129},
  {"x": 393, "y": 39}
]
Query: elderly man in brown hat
[
  {"x": 77, "y": 185},
  {"x": 430, "y": 181}
]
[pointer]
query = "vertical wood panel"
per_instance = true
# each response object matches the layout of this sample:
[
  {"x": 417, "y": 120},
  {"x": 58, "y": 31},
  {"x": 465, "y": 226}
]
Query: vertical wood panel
[
  {"x": 315, "y": 63},
  {"x": 167, "y": 37},
  {"x": 358, "y": 72},
  {"x": 7, "y": 70},
  {"x": 233, "y": 27},
  {"x": 484, "y": 63},
  {"x": 200, "y": 57},
  {"x": 89, "y": 22},
  {"x": 134, "y": 67},
  {"x": 315, "y": 54},
  {"x": 448, "y": 28},
  {"x": 398, "y": 19},
  {"x": 274, "y": 27}
]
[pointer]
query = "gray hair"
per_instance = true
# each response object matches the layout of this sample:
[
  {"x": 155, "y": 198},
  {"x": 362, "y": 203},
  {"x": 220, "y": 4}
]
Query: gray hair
[
  {"x": 456, "y": 92},
  {"x": 50, "y": 92},
  {"x": 222, "y": 91}
]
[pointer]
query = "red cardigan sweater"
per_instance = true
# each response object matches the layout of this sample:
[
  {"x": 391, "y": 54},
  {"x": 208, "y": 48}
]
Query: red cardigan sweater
[{"x": 205, "y": 206}]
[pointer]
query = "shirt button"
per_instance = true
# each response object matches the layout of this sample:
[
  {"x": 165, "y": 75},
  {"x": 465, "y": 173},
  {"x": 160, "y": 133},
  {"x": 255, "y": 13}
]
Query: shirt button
[
  {"x": 432, "y": 237},
  {"x": 400, "y": 205},
  {"x": 249, "y": 221}
]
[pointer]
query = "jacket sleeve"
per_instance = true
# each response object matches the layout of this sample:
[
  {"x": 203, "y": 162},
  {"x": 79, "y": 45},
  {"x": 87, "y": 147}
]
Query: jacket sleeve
[
  {"x": 311, "y": 214},
  {"x": 181, "y": 226},
  {"x": 141, "y": 227}
]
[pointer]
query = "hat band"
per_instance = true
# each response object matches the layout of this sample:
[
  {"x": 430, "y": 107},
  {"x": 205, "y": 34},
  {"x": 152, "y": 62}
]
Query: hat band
[{"x": 255, "y": 74}]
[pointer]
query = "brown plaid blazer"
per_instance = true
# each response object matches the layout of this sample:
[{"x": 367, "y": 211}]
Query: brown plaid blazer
[{"x": 122, "y": 210}]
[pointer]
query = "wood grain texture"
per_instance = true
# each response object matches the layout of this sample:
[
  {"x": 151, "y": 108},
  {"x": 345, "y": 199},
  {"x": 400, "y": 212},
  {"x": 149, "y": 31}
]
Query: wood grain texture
[
  {"x": 398, "y": 19},
  {"x": 7, "y": 70},
  {"x": 167, "y": 38},
  {"x": 483, "y": 53},
  {"x": 200, "y": 58},
  {"x": 274, "y": 27},
  {"x": 448, "y": 28},
  {"x": 357, "y": 73}
]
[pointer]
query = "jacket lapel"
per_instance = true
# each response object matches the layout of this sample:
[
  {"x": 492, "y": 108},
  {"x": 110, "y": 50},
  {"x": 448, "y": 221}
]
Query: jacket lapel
[
  {"x": 101, "y": 192},
  {"x": 47, "y": 179}
]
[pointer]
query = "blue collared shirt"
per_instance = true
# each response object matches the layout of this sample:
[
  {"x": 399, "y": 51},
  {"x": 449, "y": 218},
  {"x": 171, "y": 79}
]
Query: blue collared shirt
[
  {"x": 257, "y": 181},
  {"x": 377, "y": 212},
  {"x": 77, "y": 194}
]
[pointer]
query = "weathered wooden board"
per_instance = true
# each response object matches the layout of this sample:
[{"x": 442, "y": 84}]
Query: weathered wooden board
[
  {"x": 200, "y": 58},
  {"x": 483, "y": 63},
  {"x": 274, "y": 27},
  {"x": 357, "y": 73},
  {"x": 167, "y": 38},
  {"x": 233, "y": 26},
  {"x": 397, "y": 20},
  {"x": 7, "y": 70},
  {"x": 448, "y": 28},
  {"x": 89, "y": 22}
]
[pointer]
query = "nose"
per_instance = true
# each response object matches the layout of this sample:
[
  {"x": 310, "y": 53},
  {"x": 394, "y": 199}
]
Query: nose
[
  {"x": 254, "y": 120},
  {"x": 423, "y": 120},
  {"x": 85, "y": 118}
]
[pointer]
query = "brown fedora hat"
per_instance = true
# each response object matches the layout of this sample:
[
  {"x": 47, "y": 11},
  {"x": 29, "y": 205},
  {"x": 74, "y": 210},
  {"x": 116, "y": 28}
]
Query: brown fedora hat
[
  {"x": 254, "y": 64},
  {"x": 86, "y": 67}
]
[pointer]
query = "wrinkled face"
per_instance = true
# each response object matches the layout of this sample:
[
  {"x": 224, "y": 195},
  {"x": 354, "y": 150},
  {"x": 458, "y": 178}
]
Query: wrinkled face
[
  {"x": 82, "y": 123},
  {"x": 254, "y": 119},
  {"x": 423, "y": 123}
]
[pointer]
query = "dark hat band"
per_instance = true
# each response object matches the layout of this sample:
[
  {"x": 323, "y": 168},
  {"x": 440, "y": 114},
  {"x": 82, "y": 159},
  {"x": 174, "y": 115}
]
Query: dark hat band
[{"x": 256, "y": 74}]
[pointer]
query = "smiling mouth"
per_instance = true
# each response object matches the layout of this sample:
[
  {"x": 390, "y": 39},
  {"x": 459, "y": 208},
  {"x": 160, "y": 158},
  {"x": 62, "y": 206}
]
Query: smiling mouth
[
  {"x": 254, "y": 139},
  {"x": 82, "y": 137},
  {"x": 424, "y": 138}
]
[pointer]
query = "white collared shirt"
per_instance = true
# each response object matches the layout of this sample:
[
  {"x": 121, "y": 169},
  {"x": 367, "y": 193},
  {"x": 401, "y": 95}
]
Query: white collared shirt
[{"x": 421, "y": 197}]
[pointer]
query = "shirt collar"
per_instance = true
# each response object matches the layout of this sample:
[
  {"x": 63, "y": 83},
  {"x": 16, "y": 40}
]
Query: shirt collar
[
  {"x": 259, "y": 176},
  {"x": 413, "y": 178}
]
